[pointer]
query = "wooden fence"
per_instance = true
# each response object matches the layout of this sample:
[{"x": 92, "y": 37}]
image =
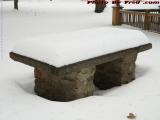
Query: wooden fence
[{"x": 144, "y": 19}]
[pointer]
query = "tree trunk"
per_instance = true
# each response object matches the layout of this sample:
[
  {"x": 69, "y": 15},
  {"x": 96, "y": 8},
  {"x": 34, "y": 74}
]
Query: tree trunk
[
  {"x": 16, "y": 4},
  {"x": 100, "y": 5}
]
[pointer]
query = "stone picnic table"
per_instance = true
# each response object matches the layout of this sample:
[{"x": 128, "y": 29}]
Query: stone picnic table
[{"x": 69, "y": 66}]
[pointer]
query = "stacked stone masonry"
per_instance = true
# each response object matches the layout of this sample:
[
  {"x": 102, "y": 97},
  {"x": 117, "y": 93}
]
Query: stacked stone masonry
[{"x": 73, "y": 84}]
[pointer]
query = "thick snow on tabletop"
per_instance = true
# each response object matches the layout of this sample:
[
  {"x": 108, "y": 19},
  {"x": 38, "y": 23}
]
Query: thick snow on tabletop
[{"x": 72, "y": 47}]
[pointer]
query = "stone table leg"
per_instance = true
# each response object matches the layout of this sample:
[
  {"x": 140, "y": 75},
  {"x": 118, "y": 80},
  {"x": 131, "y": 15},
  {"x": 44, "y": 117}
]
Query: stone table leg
[
  {"x": 66, "y": 86},
  {"x": 116, "y": 73}
]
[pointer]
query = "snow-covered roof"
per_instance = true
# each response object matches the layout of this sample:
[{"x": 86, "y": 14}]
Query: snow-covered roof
[{"x": 72, "y": 47}]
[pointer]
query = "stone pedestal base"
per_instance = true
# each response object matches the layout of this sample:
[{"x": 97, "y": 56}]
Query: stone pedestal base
[
  {"x": 66, "y": 86},
  {"x": 115, "y": 73},
  {"x": 70, "y": 85}
]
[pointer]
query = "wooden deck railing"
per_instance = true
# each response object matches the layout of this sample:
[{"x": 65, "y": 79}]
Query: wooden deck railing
[{"x": 144, "y": 19}]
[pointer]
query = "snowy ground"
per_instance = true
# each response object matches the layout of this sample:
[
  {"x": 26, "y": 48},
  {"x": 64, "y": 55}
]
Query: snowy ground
[{"x": 17, "y": 99}]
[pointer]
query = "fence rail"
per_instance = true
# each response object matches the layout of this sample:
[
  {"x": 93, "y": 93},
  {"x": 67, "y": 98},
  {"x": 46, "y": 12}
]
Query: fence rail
[{"x": 144, "y": 19}]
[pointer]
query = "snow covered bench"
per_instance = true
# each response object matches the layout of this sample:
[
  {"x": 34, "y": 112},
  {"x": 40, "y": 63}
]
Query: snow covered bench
[{"x": 70, "y": 65}]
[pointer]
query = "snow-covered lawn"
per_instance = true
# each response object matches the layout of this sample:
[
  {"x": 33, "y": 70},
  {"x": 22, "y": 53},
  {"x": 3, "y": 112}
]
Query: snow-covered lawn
[{"x": 17, "y": 99}]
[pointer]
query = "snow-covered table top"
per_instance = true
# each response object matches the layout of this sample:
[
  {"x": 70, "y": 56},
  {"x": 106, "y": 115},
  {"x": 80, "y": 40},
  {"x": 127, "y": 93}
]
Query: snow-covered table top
[{"x": 72, "y": 47}]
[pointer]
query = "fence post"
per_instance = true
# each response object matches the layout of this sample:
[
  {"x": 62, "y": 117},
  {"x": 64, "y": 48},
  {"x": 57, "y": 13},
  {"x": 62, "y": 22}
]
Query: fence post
[
  {"x": 116, "y": 15},
  {"x": 146, "y": 21}
]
